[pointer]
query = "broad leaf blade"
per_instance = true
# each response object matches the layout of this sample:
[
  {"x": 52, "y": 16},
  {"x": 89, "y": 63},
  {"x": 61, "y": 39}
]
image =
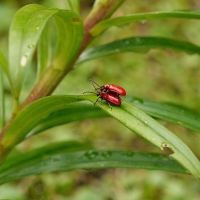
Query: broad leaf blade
[
  {"x": 137, "y": 45},
  {"x": 70, "y": 36},
  {"x": 26, "y": 28},
  {"x": 44, "y": 50},
  {"x": 66, "y": 157},
  {"x": 24, "y": 33},
  {"x": 124, "y": 20}
]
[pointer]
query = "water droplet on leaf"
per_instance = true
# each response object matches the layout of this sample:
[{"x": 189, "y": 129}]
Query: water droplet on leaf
[
  {"x": 91, "y": 155},
  {"x": 30, "y": 46},
  {"x": 106, "y": 154},
  {"x": 23, "y": 60}
]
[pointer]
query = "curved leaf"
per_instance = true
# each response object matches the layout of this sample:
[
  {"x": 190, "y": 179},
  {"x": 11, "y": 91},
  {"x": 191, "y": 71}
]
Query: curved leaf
[
  {"x": 124, "y": 20},
  {"x": 127, "y": 114},
  {"x": 169, "y": 112},
  {"x": 44, "y": 50},
  {"x": 138, "y": 45},
  {"x": 148, "y": 128},
  {"x": 68, "y": 156},
  {"x": 31, "y": 115},
  {"x": 74, "y": 112},
  {"x": 25, "y": 31},
  {"x": 80, "y": 111}
]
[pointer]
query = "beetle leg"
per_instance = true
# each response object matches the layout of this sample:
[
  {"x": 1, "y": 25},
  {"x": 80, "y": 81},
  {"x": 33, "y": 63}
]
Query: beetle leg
[
  {"x": 109, "y": 105},
  {"x": 96, "y": 100}
]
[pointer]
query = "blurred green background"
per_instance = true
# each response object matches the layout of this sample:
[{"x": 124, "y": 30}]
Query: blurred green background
[{"x": 159, "y": 75}]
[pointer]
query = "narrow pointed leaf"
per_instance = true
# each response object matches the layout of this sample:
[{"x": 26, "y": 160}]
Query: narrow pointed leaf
[
  {"x": 80, "y": 111},
  {"x": 127, "y": 114},
  {"x": 31, "y": 115},
  {"x": 148, "y": 128},
  {"x": 75, "y": 112},
  {"x": 169, "y": 112},
  {"x": 66, "y": 157},
  {"x": 124, "y": 20},
  {"x": 137, "y": 45}
]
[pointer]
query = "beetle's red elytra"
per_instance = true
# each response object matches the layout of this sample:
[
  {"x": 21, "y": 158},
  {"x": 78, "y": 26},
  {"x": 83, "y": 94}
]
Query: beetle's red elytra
[
  {"x": 110, "y": 88},
  {"x": 108, "y": 92}
]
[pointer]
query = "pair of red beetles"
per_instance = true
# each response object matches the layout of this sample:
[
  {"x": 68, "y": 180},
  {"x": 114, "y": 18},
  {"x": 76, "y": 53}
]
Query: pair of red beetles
[{"x": 109, "y": 92}]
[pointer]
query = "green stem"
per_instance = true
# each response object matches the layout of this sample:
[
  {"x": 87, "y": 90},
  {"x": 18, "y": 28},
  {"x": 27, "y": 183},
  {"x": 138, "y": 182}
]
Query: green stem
[
  {"x": 2, "y": 100},
  {"x": 52, "y": 77}
]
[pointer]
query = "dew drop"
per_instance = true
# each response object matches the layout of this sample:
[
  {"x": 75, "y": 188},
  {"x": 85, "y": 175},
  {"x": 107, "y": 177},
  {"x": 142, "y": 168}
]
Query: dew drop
[
  {"x": 130, "y": 154},
  {"x": 37, "y": 27},
  {"x": 30, "y": 46},
  {"x": 91, "y": 155},
  {"x": 23, "y": 60},
  {"x": 137, "y": 40},
  {"x": 106, "y": 154}
]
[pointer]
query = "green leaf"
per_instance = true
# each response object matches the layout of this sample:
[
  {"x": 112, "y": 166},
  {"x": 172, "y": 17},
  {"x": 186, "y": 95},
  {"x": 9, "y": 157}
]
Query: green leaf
[
  {"x": 31, "y": 115},
  {"x": 124, "y": 20},
  {"x": 70, "y": 36},
  {"x": 44, "y": 50},
  {"x": 138, "y": 45},
  {"x": 127, "y": 114},
  {"x": 26, "y": 28},
  {"x": 151, "y": 130},
  {"x": 74, "y": 112},
  {"x": 74, "y": 5},
  {"x": 80, "y": 111},
  {"x": 4, "y": 65},
  {"x": 68, "y": 156},
  {"x": 24, "y": 33},
  {"x": 168, "y": 112}
]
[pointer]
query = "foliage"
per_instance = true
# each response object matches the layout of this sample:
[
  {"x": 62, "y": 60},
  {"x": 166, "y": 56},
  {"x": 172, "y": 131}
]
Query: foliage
[{"x": 31, "y": 28}]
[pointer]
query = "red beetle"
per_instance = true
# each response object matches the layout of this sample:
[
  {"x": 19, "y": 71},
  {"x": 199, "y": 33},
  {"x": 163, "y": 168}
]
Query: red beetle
[
  {"x": 110, "y": 98},
  {"x": 110, "y": 88}
]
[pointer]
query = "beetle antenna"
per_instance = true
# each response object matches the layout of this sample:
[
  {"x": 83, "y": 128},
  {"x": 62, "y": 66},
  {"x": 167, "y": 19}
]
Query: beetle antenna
[{"x": 95, "y": 84}]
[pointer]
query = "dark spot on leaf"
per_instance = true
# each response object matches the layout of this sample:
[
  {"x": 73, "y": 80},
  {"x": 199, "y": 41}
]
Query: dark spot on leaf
[{"x": 75, "y": 20}]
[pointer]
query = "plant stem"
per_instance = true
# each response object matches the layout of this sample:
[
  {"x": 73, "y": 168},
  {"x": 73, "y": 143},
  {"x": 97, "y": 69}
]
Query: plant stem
[{"x": 52, "y": 77}]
